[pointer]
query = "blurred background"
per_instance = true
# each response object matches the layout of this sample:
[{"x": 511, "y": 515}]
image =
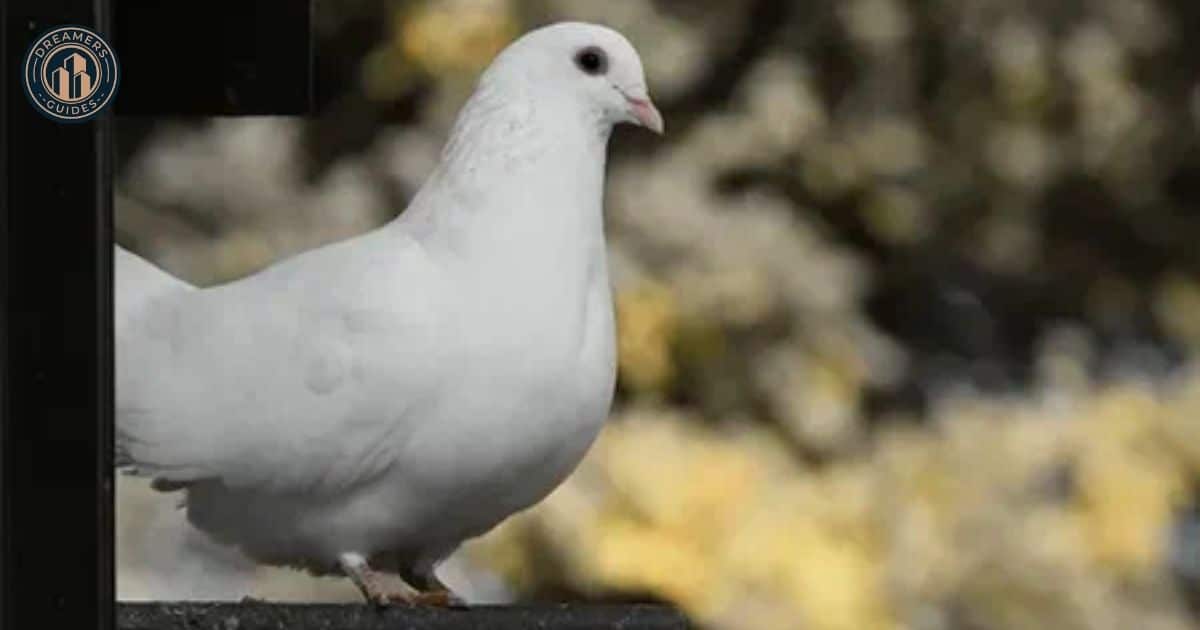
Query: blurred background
[{"x": 908, "y": 305}]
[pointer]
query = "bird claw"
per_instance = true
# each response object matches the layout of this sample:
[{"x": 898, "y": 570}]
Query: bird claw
[
  {"x": 433, "y": 599},
  {"x": 442, "y": 598},
  {"x": 381, "y": 600},
  {"x": 436, "y": 595}
]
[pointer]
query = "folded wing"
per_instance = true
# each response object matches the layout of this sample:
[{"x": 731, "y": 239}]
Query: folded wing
[{"x": 294, "y": 379}]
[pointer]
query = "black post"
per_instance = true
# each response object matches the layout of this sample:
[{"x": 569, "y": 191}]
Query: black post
[
  {"x": 228, "y": 57},
  {"x": 55, "y": 272}
]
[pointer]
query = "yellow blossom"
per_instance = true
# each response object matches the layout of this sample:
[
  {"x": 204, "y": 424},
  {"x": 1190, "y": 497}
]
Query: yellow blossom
[{"x": 647, "y": 320}]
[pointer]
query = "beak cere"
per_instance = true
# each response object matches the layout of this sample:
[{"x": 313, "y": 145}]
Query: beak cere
[{"x": 646, "y": 114}]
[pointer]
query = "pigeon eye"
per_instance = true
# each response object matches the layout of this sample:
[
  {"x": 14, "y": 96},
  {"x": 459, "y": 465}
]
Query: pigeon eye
[{"x": 592, "y": 60}]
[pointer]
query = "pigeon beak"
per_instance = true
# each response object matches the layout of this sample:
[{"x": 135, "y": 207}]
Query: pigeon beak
[{"x": 645, "y": 113}]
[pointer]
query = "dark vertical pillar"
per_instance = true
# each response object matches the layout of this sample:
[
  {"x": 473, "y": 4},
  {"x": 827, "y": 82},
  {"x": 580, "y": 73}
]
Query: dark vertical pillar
[
  {"x": 56, "y": 363},
  {"x": 56, "y": 489}
]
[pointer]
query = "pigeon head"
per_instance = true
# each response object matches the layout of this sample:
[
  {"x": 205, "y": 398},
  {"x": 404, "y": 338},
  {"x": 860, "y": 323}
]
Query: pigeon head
[{"x": 593, "y": 67}]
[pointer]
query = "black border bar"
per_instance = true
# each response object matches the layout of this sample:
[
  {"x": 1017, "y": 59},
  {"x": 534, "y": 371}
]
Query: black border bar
[
  {"x": 214, "y": 58},
  {"x": 56, "y": 270}
]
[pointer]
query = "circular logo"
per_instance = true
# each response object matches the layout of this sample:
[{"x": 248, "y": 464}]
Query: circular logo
[{"x": 70, "y": 74}]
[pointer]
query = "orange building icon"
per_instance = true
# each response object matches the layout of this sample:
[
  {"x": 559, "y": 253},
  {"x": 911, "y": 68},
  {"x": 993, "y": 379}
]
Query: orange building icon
[{"x": 71, "y": 81}]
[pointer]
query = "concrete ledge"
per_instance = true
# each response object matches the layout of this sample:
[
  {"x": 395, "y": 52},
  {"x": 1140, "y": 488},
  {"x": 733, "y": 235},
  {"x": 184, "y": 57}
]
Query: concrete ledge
[{"x": 264, "y": 616}]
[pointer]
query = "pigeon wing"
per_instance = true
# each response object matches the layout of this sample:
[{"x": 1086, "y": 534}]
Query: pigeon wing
[
  {"x": 137, "y": 283},
  {"x": 296, "y": 379}
]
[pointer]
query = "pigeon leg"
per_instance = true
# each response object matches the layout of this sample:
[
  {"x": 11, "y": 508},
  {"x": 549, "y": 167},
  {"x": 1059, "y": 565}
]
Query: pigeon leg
[
  {"x": 433, "y": 592},
  {"x": 368, "y": 582}
]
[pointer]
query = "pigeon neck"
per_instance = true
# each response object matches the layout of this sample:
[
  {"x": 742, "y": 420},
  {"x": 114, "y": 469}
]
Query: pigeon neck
[
  {"x": 518, "y": 130},
  {"x": 520, "y": 170}
]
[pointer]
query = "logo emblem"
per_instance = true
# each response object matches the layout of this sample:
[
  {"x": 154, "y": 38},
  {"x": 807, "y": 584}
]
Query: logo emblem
[{"x": 70, "y": 74}]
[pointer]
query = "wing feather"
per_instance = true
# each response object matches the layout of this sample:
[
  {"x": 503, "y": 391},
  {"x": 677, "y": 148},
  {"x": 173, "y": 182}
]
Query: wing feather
[{"x": 292, "y": 380}]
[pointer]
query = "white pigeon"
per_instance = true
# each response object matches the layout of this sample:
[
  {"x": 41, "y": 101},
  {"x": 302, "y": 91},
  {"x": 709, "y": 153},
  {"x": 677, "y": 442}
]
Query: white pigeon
[{"x": 369, "y": 405}]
